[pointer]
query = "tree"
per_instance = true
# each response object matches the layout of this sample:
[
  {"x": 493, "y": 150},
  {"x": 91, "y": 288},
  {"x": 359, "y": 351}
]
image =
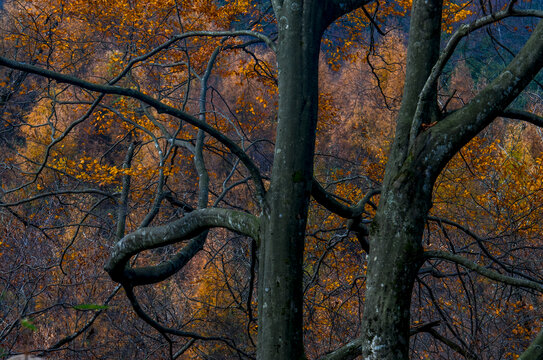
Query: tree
[{"x": 426, "y": 138}]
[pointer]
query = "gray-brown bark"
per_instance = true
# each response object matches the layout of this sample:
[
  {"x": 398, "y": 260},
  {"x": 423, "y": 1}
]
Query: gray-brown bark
[
  {"x": 395, "y": 235},
  {"x": 280, "y": 325},
  {"x": 280, "y": 310},
  {"x": 185, "y": 228},
  {"x": 416, "y": 159}
]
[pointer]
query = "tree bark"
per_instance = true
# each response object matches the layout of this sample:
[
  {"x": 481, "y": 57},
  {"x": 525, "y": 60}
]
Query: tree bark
[
  {"x": 416, "y": 159},
  {"x": 394, "y": 260},
  {"x": 396, "y": 252},
  {"x": 280, "y": 299}
]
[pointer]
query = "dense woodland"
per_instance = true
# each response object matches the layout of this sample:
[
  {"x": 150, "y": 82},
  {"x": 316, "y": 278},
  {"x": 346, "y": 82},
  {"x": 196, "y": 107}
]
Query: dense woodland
[{"x": 243, "y": 179}]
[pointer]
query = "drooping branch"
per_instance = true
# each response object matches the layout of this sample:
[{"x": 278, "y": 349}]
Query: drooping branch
[
  {"x": 159, "y": 106},
  {"x": 185, "y": 228},
  {"x": 481, "y": 270},
  {"x": 523, "y": 115},
  {"x": 459, "y": 349},
  {"x": 154, "y": 274},
  {"x": 190, "y": 34},
  {"x": 164, "y": 331},
  {"x": 57, "y": 193},
  {"x": 57, "y": 140},
  {"x": 480, "y": 242},
  {"x": 66, "y": 340},
  {"x": 430, "y": 329}
]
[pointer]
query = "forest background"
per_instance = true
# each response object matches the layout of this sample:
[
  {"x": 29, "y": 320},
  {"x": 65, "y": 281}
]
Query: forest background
[{"x": 85, "y": 167}]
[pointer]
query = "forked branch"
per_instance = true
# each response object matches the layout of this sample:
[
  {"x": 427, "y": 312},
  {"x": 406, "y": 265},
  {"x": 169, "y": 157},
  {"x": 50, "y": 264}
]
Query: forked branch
[{"x": 328, "y": 200}]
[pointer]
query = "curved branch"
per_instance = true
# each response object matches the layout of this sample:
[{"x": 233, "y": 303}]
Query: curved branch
[
  {"x": 153, "y": 274},
  {"x": 436, "y": 146},
  {"x": 185, "y": 228},
  {"x": 189, "y": 34},
  {"x": 523, "y": 115},
  {"x": 491, "y": 274},
  {"x": 57, "y": 346},
  {"x": 58, "y": 193},
  {"x": 459, "y": 349},
  {"x": 55, "y": 141},
  {"x": 159, "y": 106},
  {"x": 480, "y": 242},
  {"x": 463, "y": 31},
  {"x": 164, "y": 330}
]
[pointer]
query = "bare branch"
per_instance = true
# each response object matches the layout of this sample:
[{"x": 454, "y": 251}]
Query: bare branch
[
  {"x": 491, "y": 274},
  {"x": 149, "y": 100},
  {"x": 446, "y": 54},
  {"x": 153, "y": 274},
  {"x": 57, "y": 346},
  {"x": 459, "y": 349},
  {"x": 190, "y": 34},
  {"x": 185, "y": 228},
  {"x": 523, "y": 115},
  {"x": 57, "y": 193},
  {"x": 328, "y": 200},
  {"x": 441, "y": 141},
  {"x": 480, "y": 242}
]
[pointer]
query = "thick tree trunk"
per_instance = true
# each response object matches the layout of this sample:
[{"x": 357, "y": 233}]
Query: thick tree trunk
[
  {"x": 395, "y": 236},
  {"x": 395, "y": 257},
  {"x": 280, "y": 299}
]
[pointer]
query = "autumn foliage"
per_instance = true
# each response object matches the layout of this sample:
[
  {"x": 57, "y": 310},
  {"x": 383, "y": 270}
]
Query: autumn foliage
[{"x": 80, "y": 169}]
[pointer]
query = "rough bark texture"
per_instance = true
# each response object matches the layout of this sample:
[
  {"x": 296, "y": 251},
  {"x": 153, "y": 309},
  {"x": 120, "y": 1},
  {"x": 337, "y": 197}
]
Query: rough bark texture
[
  {"x": 393, "y": 263},
  {"x": 280, "y": 300}
]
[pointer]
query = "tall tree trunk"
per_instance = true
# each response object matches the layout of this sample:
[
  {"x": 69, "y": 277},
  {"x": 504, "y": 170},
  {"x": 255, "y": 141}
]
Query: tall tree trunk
[
  {"x": 395, "y": 257},
  {"x": 280, "y": 299},
  {"x": 395, "y": 236}
]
